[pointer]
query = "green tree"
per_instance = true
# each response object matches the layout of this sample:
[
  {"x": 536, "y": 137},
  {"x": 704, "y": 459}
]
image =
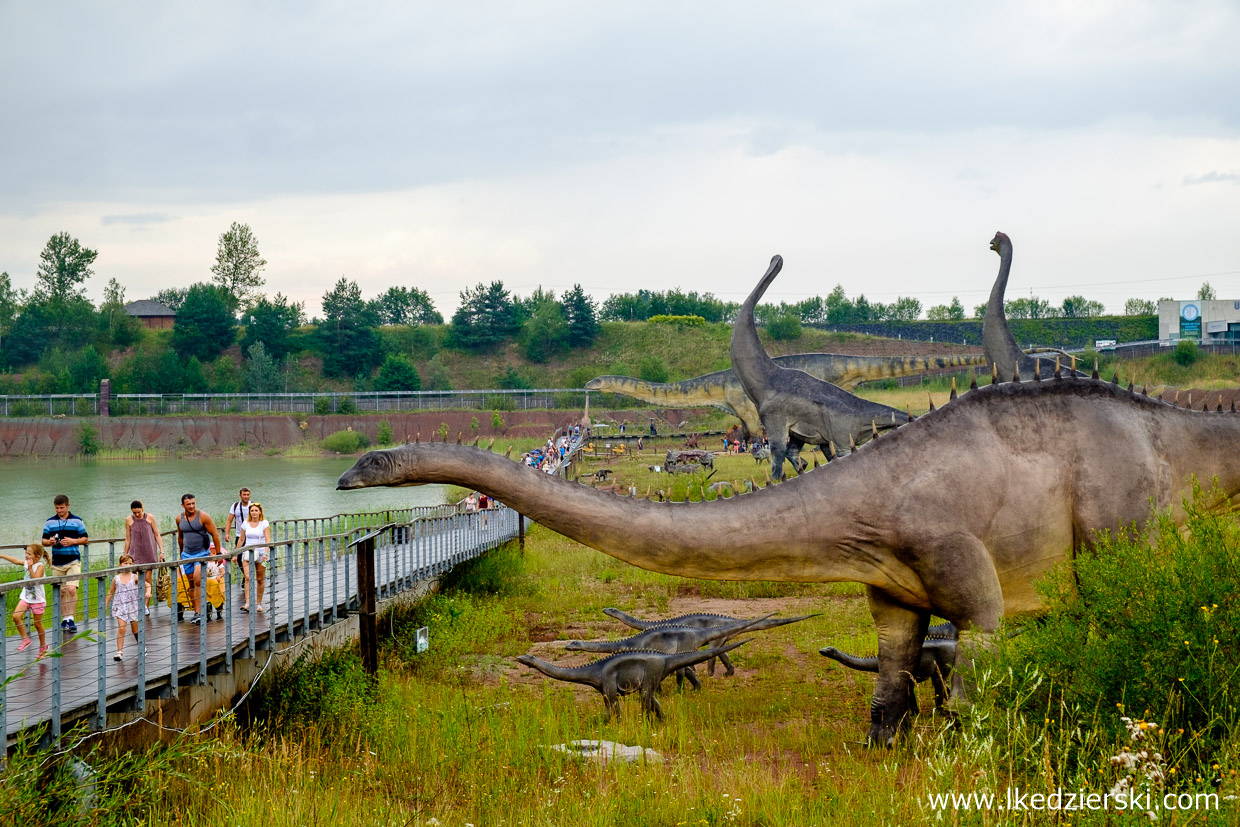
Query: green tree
[
  {"x": 485, "y": 318},
  {"x": 1140, "y": 307},
  {"x": 116, "y": 325},
  {"x": 510, "y": 379},
  {"x": 262, "y": 374},
  {"x": 397, "y": 374},
  {"x": 546, "y": 333},
  {"x": 582, "y": 316},
  {"x": 238, "y": 266},
  {"x": 85, "y": 369},
  {"x": 64, "y": 266},
  {"x": 904, "y": 309},
  {"x": 31, "y": 334},
  {"x": 347, "y": 338},
  {"x": 1030, "y": 308},
  {"x": 1078, "y": 307},
  {"x": 652, "y": 369},
  {"x": 785, "y": 326},
  {"x": 204, "y": 325},
  {"x": 195, "y": 379},
  {"x": 10, "y": 305},
  {"x": 171, "y": 297},
  {"x": 953, "y": 312},
  {"x": 272, "y": 322},
  {"x": 404, "y": 305},
  {"x": 437, "y": 376},
  {"x": 1206, "y": 292}
]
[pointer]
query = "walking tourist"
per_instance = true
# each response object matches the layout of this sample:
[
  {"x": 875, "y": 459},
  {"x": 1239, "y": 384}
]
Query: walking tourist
[
  {"x": 255, "y": 529},
  {"x": 237, "y": 514},
  {"x": 66, "y": 534},
  {"x": 33, "y": 599},
  {"x": 142, "y": 542},
  {"x": 196, "y": 532},
  {"x": 123, "y": 595}
]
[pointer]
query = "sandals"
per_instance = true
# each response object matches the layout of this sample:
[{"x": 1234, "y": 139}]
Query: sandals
[
  {"x": 25, "y": 644},
  {"x": 245, "y": 609}
]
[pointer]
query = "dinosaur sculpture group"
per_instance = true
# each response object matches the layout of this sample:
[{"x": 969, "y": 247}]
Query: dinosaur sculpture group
[
  {"x": 641, "y": 670},
  {"x": 955, "y": 514}
]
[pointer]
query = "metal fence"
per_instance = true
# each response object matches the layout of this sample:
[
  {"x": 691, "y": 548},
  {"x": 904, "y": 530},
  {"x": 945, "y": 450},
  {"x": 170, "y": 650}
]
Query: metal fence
[
  {"x": 310, "y": 584},
  {"x": 139, "y": 404}
]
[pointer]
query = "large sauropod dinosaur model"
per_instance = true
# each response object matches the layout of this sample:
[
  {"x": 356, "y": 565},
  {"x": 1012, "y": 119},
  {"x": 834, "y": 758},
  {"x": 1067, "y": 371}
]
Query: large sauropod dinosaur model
[
  {"x": 998, "y": 343},
  {"x": 723, "y": 390},
  {"x": 795, "y": 408},
  {"x": 670, "y": 639},
  {"x": 624, "y": 672},
  {"x": 955, "y": 514},
  {"x": 938, "y": 655},
  {"x": 705, "y": 620}
]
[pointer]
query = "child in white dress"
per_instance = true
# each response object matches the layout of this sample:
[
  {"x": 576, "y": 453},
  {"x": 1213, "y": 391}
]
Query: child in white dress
[{"x": 126, "y": 602}]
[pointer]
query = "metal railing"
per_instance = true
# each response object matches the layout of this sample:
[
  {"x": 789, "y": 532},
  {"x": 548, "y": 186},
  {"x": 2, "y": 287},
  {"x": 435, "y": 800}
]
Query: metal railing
[{"x": 309, "y": 581}]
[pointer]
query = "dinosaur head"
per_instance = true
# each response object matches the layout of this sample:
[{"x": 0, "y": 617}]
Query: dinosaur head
[
  {"x": 389, "y": 467},
  {"x": 998, "y": 241}
]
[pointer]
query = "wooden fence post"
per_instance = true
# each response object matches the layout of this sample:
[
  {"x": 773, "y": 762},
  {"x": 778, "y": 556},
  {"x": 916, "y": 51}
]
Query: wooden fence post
[{"x": 367, "y": 616}]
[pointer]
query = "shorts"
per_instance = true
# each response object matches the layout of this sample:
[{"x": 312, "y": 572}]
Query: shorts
[
  {"x": 36, "y": 609},
  {"x": 74, "y": 567},
  {"x": 188, "y": 568}
]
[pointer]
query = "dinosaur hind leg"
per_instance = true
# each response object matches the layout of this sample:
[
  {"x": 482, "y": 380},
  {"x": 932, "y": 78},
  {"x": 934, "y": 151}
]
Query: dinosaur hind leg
[
  {"x": 900, "y": 634},
  {"x": 687, "y": 674},
  {"x": 795, "y": 444},
  {"x": 650, "y": 703}
]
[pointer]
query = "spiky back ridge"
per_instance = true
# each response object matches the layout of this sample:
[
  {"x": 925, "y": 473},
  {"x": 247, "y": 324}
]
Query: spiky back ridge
[{"x": 594, "y": 664}]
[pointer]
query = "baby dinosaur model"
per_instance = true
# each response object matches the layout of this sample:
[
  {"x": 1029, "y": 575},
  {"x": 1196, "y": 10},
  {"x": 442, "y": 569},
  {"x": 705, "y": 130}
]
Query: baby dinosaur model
[
  {"x": 624, "y": 672},
  {"x": 938, "y": 655},
  {"x": 670, "y": 639},
  {"x": 706, "y": 620},
  {"x": 723, "y": 390},
  {"x": 955, "y": 514},
  {"x": 795, "y": 408}
]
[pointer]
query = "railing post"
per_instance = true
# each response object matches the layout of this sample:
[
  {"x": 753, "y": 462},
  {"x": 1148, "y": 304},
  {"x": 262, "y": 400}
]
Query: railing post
[
  {"x": 176, "y": 638},
  {"x": 521, "y": 531},
  {"x": 58, "y": 640},
  {"x": 367, "y": 614},
  {"x": 101, "y": 703}
]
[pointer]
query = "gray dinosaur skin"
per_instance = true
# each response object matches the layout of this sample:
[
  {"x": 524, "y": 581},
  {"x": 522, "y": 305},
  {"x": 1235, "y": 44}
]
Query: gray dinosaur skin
[
  {"x": 934, "y": 664},
  {"x": 998, "y": 343},
  {"x": 617, "y": 675},
  {"x": 954, "y": 515},
  {"x": 795, "y": 408},
  {"x": 670, "y": 639},
  {"x": 705, "y": 620}
]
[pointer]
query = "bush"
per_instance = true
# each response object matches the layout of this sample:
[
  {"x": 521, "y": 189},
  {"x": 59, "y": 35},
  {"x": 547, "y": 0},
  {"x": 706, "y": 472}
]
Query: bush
[
  {"x": 1151, "y": 629},
  {"x": 345, "y": 442},
  {"x": 385, "y": 432},
  {"x": 322, "y": 406},
  {"x": 1186, "y": 353},
  {"x": 679, "y": 321},
  {"x": 497, "y": 422},
  {"x": 652, "y": 369},
  {"x": 397, "y": 374},
  {"x": 88, "y": 439},
  {"x": 785, "y": 327},
  {"x": 347, "y": 406}
]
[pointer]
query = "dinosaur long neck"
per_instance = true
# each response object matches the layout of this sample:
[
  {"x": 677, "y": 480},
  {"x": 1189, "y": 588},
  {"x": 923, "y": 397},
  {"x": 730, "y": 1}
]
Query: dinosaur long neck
[
  {"x": 750, "y": 361},
  {"x": 710, "y": 540},
  {"x": 688, "y": 392},
  {"x": 852, "y": 661},
  {"x": 997, "y": 339},
  {"x": 575, "y": 674}
]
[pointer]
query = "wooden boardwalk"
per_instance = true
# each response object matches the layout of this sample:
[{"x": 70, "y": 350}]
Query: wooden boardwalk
[{"x": 312, "y": 592}]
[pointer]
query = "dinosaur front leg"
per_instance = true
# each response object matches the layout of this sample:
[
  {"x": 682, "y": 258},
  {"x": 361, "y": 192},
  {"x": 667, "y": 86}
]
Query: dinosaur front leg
[
  {"x": 795, "y": 444},
  {"x": 900, "y": 634},
  {"x": 777, "y": 430},
  {"x": 690, "y": 675}
]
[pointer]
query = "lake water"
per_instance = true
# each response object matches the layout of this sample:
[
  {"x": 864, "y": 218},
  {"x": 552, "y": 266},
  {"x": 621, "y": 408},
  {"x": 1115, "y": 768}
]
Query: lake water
[{"x": 287, "y": 488}]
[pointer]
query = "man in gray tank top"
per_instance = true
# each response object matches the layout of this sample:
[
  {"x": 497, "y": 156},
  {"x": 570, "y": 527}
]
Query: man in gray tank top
[{"x": 195, "y": 533}]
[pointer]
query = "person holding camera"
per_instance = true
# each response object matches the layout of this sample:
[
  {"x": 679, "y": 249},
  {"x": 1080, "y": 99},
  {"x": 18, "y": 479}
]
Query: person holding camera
[{"x": 66, "y": 534}]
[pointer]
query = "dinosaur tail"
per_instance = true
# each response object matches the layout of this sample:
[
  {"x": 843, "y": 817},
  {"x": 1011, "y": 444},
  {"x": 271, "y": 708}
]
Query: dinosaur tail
[
  {"x": 851, "y": 661},
  {"x": 683, "y": 659},
  {"x": 727, "y": 630},
  {"x": 774, "y": 622}
]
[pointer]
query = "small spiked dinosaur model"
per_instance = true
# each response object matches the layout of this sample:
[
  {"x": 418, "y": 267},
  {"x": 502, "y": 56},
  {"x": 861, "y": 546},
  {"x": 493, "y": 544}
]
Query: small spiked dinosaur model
[
  {"x": 625, "y": 672},
  {"x": 795, "y": 408},
  {"x": 706, "y": 620},
  {"x": 955, "y": 514},
  {"x": 723, "y": 390},
  {"x": 935, "y": 662},
  {"x": 672, "y": 640}
]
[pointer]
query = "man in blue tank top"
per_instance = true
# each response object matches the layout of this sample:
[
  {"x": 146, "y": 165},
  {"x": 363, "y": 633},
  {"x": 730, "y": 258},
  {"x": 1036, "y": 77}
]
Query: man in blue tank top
[{"x": 195, "y": 533}]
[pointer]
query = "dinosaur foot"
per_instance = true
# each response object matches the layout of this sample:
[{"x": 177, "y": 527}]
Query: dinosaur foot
[{"x": 881, "y": 735}]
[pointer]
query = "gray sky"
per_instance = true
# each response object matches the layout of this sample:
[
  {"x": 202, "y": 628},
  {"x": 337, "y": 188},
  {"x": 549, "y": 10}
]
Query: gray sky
[{"x": 877, "y": 145}]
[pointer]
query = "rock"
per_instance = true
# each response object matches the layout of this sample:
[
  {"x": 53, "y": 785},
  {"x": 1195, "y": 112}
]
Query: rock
[{"x": 604, "y": 752}]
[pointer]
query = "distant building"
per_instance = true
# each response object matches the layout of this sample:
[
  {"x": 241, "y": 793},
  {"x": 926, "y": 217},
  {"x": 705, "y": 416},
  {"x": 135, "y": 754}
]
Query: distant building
[
  {"x": 153, "y": 314},
  {"x": 1208, "y": 322}
]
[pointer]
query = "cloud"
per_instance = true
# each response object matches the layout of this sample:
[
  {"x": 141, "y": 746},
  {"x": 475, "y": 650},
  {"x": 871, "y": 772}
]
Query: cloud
[
  {"x": 137, "y": 219},
  {"x": 1212, "y": 178}
]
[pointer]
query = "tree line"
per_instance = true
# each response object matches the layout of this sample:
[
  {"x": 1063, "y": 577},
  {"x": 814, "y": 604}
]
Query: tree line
[{"x": 62, "y": 343}]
